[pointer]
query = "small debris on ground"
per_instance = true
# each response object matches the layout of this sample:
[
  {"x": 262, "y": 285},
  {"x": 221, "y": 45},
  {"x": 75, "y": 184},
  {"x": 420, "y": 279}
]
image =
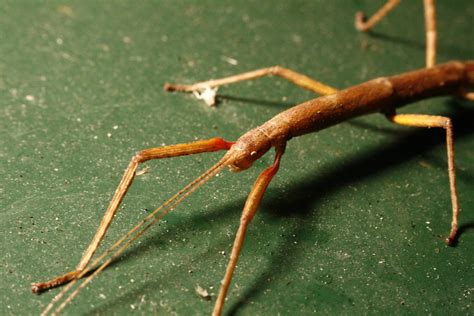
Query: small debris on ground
[
  {"x": 203, "y": 293},
  {"x": 230, "y": 60},
  {"x": 208, "y": 95},
  {"x": 143, "y": 171}
]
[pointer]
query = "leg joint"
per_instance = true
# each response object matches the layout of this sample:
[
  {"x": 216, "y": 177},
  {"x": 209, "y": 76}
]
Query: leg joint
[
  {"x": 448, "y": 123},
  {"x": 275, "y": 70},
  {"x": 139, "y": 157}
]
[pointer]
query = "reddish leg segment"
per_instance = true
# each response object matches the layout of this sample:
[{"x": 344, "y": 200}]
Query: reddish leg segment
[{"x": 250, "y": 208}]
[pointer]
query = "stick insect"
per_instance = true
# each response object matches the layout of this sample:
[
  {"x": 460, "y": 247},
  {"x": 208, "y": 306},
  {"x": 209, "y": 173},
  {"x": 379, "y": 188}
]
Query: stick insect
[{"x": 381, "y": 95}]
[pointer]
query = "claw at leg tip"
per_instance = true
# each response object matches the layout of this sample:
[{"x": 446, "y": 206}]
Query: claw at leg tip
[
  {"x": 168, "y": 87},
  {"x": 360, "y": 20},
  {"x": 35, "y": 288},
  {"x": 450, "y": 241}
]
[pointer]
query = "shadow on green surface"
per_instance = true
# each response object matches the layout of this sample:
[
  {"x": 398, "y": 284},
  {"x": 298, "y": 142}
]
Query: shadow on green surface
[
  {"x": 276, "y": 104},
  {"x": 442, "y": 50}
]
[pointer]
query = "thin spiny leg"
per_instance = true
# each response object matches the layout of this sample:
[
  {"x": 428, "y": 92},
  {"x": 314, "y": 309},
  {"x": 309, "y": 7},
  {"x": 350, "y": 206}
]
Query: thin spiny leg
[
  {"x": 288, "y": 74},
  {"x": 430, "y": 25},
  {"x": 250, "y": 208},
  {"x": 428, "y": 121},
  {"x": 361, "y": 22},
  {"x": 210, "y": 145}
]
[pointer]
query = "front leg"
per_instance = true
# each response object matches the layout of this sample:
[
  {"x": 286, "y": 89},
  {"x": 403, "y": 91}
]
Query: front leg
[
  {"x": 250, "y": 208},
  {"x": 210, "y": 145}
]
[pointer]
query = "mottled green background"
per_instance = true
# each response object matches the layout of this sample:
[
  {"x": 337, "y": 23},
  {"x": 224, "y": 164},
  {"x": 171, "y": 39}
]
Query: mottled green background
[{"x": 352, "y": 224}]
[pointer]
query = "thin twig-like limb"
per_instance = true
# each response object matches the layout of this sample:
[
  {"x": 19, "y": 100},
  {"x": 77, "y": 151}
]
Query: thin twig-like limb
[
  {"x": 250, "y": 208},
  {"x": 361, "y": 22},
  {"x": 288, "y": 74},
  {"x": 133, "y": 234},
  {"x": 428, "y": 121},
  {"x": 431, "y": 35},
  {"x": 210, "y": 145}
]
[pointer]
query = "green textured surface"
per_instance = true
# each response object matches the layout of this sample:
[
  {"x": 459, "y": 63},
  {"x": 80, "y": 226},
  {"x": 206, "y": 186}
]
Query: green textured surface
[{"x": 352, "y": 223}]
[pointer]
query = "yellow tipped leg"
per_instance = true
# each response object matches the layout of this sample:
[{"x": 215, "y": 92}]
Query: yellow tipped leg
[
  {"x": 428, "y": 121},
  {"x": 288, "y": 74}
]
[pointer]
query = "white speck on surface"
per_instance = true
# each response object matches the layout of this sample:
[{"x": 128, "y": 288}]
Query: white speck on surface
[
  {"x": 30, "y": 98},
  {"x": 109, "y": 135},
  {"x": 59, "y": 41},
  {"x": 208, "y": 95},
  {"x": 143, "y": 171},
  {"x": 230, "y": 60},
  {"x": 296, "y": 38},
  {"x": 203, "y": 293},
  {"x": 102, "y": 296},
  {"x": 115, "y": 127}
]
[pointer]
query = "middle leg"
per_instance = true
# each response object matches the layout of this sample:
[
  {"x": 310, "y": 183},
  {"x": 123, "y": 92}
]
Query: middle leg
[{"x": 429, "y": 121}]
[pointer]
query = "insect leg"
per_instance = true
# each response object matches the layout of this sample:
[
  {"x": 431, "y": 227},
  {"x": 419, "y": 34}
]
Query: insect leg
[
  {"x": 364, "y": 25},
  {"x": 210, "y": 145},
  {"x": 250, "y": 208},
  {"x": 431, "y": 35},
  {"x": 428, "y": 121},
  {"x": 288, "y": 74}
]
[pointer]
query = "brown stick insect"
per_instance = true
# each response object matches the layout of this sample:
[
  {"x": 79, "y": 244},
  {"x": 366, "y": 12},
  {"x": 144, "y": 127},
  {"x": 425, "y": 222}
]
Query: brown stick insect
[{"x": 381, "y": 95}]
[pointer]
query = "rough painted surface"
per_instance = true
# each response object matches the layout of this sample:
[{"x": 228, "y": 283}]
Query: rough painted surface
[{"x": 352, "y": 222}]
